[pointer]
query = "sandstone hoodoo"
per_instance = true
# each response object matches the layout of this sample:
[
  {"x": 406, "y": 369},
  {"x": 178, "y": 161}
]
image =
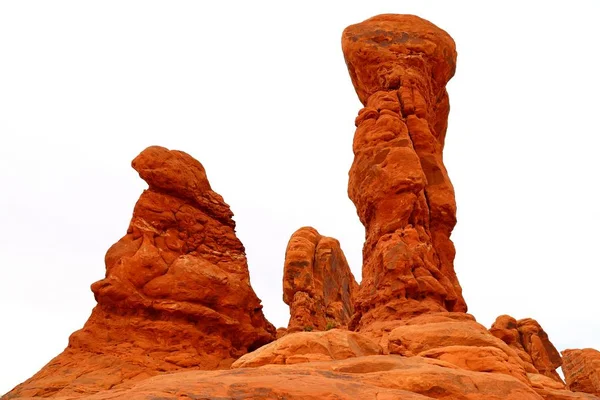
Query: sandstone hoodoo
[
  {"x": 317, "y": 282},
  {"x": 399, "y": 66},
  {"x": 176, "y": 294}
]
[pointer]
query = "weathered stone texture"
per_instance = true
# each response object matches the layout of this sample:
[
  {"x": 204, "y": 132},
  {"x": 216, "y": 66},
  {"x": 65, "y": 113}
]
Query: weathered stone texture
[
  {"x": 399, "y": 66},
  {"x": 318, "y": 284}
]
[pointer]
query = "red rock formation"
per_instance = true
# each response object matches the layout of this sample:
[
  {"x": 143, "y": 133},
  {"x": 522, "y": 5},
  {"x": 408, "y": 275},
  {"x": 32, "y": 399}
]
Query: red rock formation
[
  {"x": 317, "y": 282},
  {"x": 505, "y": 329},
  {"x": 399, "y": 65},
  {"x": 176, "y": 294},
  {"x": 302, "y": 347},
  {"x": 531, "y": 342},
  {"x": 582, "y": 370},
  {"x": 455, "y": 338}
]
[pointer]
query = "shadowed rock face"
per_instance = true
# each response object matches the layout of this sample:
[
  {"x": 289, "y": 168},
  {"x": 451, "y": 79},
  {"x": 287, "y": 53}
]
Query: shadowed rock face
[
  {"x": 399, "y": 65},
  {"x": 176, "y": 294},
  {"x": 582, "y": 370},
  {"x": 317, "y": 282}
]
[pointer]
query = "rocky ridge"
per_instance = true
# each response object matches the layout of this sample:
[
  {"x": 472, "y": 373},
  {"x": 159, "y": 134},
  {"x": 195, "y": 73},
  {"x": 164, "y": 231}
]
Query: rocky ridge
[{"x": 176, "y": 300}]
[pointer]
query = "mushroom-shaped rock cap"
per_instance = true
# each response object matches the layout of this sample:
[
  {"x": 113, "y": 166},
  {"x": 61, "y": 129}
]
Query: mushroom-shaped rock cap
[
  {"x": 171, "y": 171},
  {"x": 384, "y": 50}
]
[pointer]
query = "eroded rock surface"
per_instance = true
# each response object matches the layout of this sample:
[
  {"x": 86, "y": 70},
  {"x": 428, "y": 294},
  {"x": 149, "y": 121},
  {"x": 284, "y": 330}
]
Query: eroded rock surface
[
  {"x": 318, "y": 284},
  {"x": 176, "y": 294},
  {"x": 455, "y": 338},
  {"x": 582, "y": 370},
  {"x": 531, "y": 343},
  {"x": 371, "y": 377},
  {"x": 177, "y": 299},
  {"x": 399, "y": 65},
  {"x": 301, "y": 347}
]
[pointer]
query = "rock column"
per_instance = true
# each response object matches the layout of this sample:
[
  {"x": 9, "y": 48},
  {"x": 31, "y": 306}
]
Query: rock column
[{"x": 399, "y": 65}]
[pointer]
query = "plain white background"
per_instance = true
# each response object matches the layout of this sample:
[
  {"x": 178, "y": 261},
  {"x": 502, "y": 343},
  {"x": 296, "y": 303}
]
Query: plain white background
[{"x": 259, "y": 93}]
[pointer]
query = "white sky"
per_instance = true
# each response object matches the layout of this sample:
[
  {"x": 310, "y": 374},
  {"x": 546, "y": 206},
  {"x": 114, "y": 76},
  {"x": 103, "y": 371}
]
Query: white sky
[{"x": 259, "y": 93}]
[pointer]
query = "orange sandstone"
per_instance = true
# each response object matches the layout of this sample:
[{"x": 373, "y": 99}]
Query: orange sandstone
[
  {"x": 176, "y": 294},
  {"x": 177, "y": 301},
  {"x": 531, "y": 342},
  {"x": 399, "y": 65},
  {"x": 317, "y": 282},
  {"x": 582, "y": 370}
]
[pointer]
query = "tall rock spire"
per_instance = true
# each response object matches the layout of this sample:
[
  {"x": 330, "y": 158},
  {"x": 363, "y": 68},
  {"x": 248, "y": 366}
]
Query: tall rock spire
[{"x": 399, "y": 65}]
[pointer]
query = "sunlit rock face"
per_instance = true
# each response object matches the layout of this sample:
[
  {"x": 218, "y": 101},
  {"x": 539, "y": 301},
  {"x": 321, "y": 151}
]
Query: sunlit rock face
[
  {"x": 176, "y": 294},
  {"x": 399, "y": 65}
]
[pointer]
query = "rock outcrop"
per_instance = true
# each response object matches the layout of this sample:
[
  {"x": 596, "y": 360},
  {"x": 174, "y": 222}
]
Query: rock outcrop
[
  {"x": 176, "y": 294},
  {"x": 302, "y": 347},
  {"x": 399, "y": 65},
  {"x": 370, "y": 377},
  {"x": 455, "y": 338},
  {"x": 527, "y": 338},
  {"x": 582, "y": 370},
  {"x": 318, "y": 284}
]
